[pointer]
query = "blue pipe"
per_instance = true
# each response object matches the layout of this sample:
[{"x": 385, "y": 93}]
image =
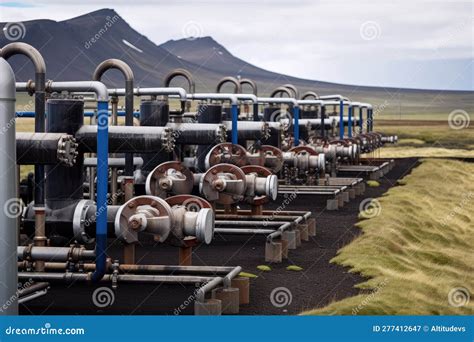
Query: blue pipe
[
  {"x": 341, "y": 120},
  {"x": 102, "y": 188},
  {"x": 86, "y": 114},
  {"x": 360, "y": 120},
  {"x": 235, "y": 118},
  {"x": 349, "y": 123},
  {"x": 296, "y": 127}
]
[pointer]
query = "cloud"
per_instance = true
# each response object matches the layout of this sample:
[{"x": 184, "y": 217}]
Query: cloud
[{"x": 316, "y": 40}]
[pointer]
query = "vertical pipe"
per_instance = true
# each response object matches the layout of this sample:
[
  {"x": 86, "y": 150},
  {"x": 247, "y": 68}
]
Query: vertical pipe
[
  {"x": 129, "y": 122},
  {"x": 360, "y": 120},
  {"x": 323, "y": 116},
  {"x": 370, "y": 120},
  {"x": 296, "y": 127},
  {"x": 349, "y": 122},
  {"x": 255, "y": 112},
  {"x": 102, "y": 182},
  {"x": 235, "y": 118},
  {"x": 9, "y": 205},
  {"x": 341, "y": 119}
]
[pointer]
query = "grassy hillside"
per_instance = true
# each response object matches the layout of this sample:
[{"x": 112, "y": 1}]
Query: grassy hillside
[{"x": 416, "y": 249}]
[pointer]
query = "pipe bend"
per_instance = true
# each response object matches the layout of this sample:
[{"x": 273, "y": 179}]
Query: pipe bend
[
  {"x": 113, "y": 63},
  {"x": 27, "y": 50},
  {"x": 309, "y": 94},
  {"x": 183, "y": 73},
  {"x": 280, "y": 90},
  {"x": 295, "y": 90},
  {"x": 229, "y": 79},
  {"x": 249, "y": 82}
]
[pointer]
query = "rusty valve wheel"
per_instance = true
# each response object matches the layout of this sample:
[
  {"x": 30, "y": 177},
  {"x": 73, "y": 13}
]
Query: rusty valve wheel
[
  {"x": 169, "y": 178},
  {"x": 273, "y": 158},
  {"x": 153, "y": 215},
  {"x": 223, "y": 184},
  {"x": 226, "y": 153}
]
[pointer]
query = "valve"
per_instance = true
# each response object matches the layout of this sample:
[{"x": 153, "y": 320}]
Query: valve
[{"x": 169, "y": 178}]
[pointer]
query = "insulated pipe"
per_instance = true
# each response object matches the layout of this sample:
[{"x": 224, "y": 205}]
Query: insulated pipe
[
  {"x": 8, "y": 194},
  {"x": 54, "y": 254},
  {"x": 40, "y": 97},
  {"x": 229, "y": 79},
  {"x": 222, "y": 96},
  {"x": 123, "y": 139},
  {"x": 129, "y": 78},
  {"x": 183, "y": 73},
  {"x": 308, "y": 94},
  {"x": 296, "y": 112},
  {"x": 334, "y": 97}
]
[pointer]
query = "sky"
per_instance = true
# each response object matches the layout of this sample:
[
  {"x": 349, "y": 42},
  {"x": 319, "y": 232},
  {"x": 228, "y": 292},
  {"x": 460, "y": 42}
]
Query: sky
[{"x": 405, "y": 43}]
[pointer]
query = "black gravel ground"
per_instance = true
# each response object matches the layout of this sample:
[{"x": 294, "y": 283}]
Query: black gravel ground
[{"x": 316, "y": 285}]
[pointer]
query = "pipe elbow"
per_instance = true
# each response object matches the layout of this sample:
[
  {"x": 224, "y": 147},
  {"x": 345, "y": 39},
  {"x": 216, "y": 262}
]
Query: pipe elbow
[
  {"x": 27, "y": 50},
  {"x": 113, "y": 63}
]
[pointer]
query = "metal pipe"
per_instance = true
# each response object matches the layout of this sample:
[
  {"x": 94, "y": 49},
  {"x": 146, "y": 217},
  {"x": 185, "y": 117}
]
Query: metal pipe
[
  {"x": 152, "y": 91},
  {"x": 242, "y": 231},
  {"x": 8, "y": 194},
  {"x": 129, "y": 79},
  {"x": 249, "y": 82},
  {"x": 229, "y": 79},
  {"x": 36, "y": 253},
  {"x": 341, "y": 119},
  {"x": 296, "y": 112}
]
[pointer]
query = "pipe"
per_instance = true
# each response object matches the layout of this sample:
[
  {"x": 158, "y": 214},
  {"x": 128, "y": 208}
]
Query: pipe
[
  {"x": 341, "y": 119},
  {"x": 152, "y": 91},
  {"x": 308, "y": 94},
  {"x": 229, "y": 79},
  {"x": 249, "y": 82},
  {"x": 8, "y": 194},
  {"x": 184, "y": 73},
  {"x": 54, "y": 253},
  {"x": 129, "y": 78},
  {"x": 296, "y": 112},
  {"x": 223, "y": 96},
  {"x": 296, "y": 93},
  {"x": 102, "y": 188},
  {"x": 40, "y": 97}
]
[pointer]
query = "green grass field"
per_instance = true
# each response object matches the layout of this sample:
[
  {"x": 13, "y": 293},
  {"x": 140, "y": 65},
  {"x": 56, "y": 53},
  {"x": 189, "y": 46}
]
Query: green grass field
[{"x": 416, "y": 249}]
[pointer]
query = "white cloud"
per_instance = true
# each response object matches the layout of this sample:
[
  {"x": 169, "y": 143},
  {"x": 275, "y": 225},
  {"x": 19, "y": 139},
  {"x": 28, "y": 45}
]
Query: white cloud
[{"x": 316, "y": 40}]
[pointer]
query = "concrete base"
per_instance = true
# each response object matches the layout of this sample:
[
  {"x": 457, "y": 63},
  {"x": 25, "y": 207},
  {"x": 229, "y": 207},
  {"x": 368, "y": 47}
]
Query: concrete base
[
  {"x": 273, "y": 251},
  {"x": 297, "y": 237},
  {"x": 340, "y": 201},
  {"x": 352, "y": 193},
  {"x": 229, "y": 298},
  {"x": 284, "y": 249},
  {"x": 243, "y": 284},
  {"x": 331, "y": 204},
  {"x": 345, "y": 196},
  {"x": 210, "y": 307},
  {"x": 290, "y": 237},
  {"x": 311, "y": 222},
  {"x": 303, "y": 228}
]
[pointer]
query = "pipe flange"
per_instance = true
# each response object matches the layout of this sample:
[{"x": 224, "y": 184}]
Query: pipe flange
[
  {"x": 212, "y": 181},
  {"x": 169, "y": 178},
  {"x": 154, "y": 210},
  {"x": 80, "y": 222},
  {"x": 273, "y": 158},
  {"x": 67, "y": 150},
  {"x": 221, "y": 134},
  {"x": 226, "y": 153},
  {"x": 303, "y": 149},
  {"x": 168, "y": 139}
]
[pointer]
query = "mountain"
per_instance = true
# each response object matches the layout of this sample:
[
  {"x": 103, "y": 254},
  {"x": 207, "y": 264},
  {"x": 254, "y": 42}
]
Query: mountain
[{"x": 73, "y": 48}]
